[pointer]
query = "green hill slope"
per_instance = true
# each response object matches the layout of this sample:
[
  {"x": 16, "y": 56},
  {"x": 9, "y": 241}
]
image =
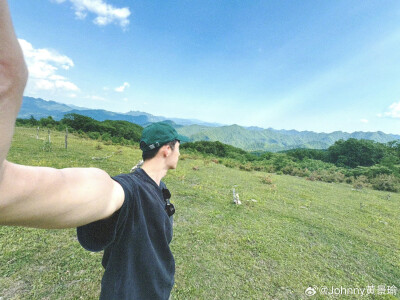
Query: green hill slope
[
  {"x": 288, "y": 234},
  {"x": 275, "y": 140}
]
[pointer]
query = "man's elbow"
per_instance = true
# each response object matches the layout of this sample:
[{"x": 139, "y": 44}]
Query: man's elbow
[
  {"x": 21, "y": 76},
  {"x": 13, "y": 76}
]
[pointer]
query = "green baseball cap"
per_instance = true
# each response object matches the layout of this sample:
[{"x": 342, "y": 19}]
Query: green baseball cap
[{"x": 158, "y": 134}]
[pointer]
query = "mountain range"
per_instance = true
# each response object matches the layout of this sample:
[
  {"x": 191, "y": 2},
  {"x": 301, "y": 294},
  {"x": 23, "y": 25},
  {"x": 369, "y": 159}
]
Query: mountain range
[
  {"x": 40, "y": 108},
  {"x": 248, "y": 138}
]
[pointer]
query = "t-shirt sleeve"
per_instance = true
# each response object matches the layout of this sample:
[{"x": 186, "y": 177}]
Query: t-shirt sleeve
[{"x": 98, "y": 235}]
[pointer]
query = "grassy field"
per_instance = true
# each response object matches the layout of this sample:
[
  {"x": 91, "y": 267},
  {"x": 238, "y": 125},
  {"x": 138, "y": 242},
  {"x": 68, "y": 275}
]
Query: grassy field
[{"x": 289, "y": 233}]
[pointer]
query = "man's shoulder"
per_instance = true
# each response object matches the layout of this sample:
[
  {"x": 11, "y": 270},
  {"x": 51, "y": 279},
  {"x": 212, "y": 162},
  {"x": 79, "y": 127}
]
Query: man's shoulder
[
  {"x": 122, "y": 176},
  {"x": 126, "y": 179}
]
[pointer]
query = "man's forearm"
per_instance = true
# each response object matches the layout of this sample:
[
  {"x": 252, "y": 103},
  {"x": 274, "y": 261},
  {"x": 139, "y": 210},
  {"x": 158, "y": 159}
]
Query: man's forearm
[{"x": 13, "y": 76}]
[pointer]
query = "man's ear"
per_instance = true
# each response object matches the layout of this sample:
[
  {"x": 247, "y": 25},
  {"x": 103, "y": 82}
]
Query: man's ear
[{"x": 166, "y": 150}]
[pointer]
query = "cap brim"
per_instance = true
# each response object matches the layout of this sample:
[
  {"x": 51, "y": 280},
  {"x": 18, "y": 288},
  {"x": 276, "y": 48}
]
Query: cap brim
[{"x": 183, "y": 138}]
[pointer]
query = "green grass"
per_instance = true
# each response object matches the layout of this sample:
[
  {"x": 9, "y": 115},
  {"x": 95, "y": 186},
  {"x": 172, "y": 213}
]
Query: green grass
[{"x": 298, "y": 233}]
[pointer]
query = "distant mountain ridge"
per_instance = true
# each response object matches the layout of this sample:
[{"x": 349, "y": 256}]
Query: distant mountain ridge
[
  {"x": 276, "y": 140},
  {"x": 40, "y": 108},
  {"x": 251, "y": 138}
]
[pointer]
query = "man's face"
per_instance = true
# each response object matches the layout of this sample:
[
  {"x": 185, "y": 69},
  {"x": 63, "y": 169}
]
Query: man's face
[{"x": 174, "y": 157}]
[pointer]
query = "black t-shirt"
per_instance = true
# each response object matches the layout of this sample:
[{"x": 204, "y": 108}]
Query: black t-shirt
[{"x": 137, "y": 259}]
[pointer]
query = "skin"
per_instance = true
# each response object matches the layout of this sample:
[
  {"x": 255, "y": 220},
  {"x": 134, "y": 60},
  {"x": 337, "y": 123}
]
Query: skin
[
  {"x": 165, "y": 159},
  {"x": 46, "y": 197}
]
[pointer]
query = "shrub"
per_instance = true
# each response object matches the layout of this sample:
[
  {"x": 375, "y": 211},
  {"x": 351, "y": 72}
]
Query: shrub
[
  {"x": 301, "y": 172},
  {"x": 361, "y": 182},
  {"x": 377, "y": 170},
  {"x": 301, "y": 154},
  {"x": 312, "y": 176},
  {"x": 282, "y": 161},
  {"x": 47, "y": 146},
  {"x": 287, "y": 170},
  {"x": 106, "y": 136},
  {"x": 386, "y": 182},
  {"x": 94, "y": 135},
  {"x": 266, "y": 180},
  {"x": 246, "y": 167}
]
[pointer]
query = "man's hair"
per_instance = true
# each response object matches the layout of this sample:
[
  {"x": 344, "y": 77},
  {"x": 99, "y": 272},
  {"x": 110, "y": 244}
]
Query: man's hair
[{"x": 152, "y": 153}]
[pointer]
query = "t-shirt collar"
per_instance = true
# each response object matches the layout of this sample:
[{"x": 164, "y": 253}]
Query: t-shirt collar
[{"x": 142, "y": 173}]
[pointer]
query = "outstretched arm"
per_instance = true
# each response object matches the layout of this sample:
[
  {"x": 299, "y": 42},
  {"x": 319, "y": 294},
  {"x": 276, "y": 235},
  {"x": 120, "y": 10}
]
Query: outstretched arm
[
  {"x": 36, "y": 196},
  {"x": 13, "y": 76}
]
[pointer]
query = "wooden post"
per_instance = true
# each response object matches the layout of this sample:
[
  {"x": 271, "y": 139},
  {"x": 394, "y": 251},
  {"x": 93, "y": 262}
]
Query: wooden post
[
  {"x": 37, "y": 133},
  {"x": 66, "y": 138},
  {"x": 236, "y": 197}
]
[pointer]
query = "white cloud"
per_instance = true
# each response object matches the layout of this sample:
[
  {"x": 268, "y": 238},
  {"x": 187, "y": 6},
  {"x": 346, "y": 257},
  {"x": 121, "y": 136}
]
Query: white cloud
[
  {"x": 394, "y": 110},
  {"x": 105, "y": 13},
  {"x": 122, "y": 88},
  {"x": 43, "y": 84},
  {"x": 65, "y": 85},
  {"x": 364, "y": 120},
  {"x": 43, "y": 65}
]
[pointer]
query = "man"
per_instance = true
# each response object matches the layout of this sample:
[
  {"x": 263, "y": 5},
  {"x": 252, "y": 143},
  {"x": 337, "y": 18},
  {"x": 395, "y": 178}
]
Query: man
[
  {"x": 137, "y": 260},
  {"x": 120, "y": 215}
]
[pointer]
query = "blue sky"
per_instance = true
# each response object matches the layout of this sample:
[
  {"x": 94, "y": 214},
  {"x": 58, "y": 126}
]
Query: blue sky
[{"x": 304, "y": 65}]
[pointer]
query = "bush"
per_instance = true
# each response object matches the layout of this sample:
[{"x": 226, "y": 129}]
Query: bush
[
  {"x": 370, "y": 172},
  {"x": 94, "y": 135},
  {"x": 288, "y": 170},
  {"x": 361, "y": 182},
  {"x": 246, "y": 167},
  {"x": 47, "y": 146},
  {"x": 386, "y": 182},
  {"x": 301, "y": 154},
  {"x": 106, "y": 136},
  {"x": 283, "y": 163},
  {"x": 266, "y": 180},
  {"x": 300, "y": 172}
]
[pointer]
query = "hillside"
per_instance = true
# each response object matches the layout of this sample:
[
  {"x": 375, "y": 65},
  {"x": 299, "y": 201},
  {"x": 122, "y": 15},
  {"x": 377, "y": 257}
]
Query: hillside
[
  {"x": 276, "y": 140},
  {"x": 288, "y": 234}
]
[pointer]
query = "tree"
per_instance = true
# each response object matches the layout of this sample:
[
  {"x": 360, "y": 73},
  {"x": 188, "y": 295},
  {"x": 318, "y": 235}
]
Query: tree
[
  {"x": 353, "y": 153},
  {"x": 47, "y": 122},
  {"x": 32, "y": 121}
]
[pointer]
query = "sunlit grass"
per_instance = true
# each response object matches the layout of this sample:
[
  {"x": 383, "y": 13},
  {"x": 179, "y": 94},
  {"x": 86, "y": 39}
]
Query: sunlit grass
[{"x": 288, "y": 234}]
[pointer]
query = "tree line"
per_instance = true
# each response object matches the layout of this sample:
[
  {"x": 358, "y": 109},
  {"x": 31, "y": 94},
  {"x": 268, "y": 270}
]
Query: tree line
[
  {"x": 363, "y": 163},
  {"x": 121, "y": 132},
  {"x": 349, "y": 153},
  {"x": 353, "y": 153}
]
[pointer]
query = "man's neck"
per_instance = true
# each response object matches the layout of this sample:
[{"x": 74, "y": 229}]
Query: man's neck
[{"x": 155, "y": 169}]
